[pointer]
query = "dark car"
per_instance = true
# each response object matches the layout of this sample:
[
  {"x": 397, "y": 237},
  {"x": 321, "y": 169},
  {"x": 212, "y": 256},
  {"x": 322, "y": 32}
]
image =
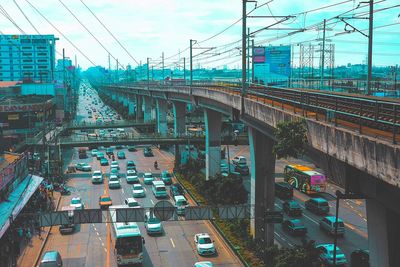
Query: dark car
[
  {"x": 292, "y": 208},
  {"x": 243, "y": 169},
  {"x": 317, "y": 205},
  {"x": 176, "y": 190},
  {"x": 283, "y": 190},
  {"x": 130, "y": 165},
  {"x": 166, "y": 177},
  {"x": 109, "y": 151},
  {"x": 294, "y": 227},
  {"x": 147, "y": 152},
  {"x": 360, "y": 258},
  {"x": 121, "y": 155},
  {"x": 131, "y": 148}
]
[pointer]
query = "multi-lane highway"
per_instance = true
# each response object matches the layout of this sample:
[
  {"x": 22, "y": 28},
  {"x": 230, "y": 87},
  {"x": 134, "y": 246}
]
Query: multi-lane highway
[{"x": 90, "y": 244}]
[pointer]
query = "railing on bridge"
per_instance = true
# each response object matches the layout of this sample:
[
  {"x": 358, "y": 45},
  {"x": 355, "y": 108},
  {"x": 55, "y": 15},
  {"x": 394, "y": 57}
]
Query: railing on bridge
[{"x": 108, "y": 124}]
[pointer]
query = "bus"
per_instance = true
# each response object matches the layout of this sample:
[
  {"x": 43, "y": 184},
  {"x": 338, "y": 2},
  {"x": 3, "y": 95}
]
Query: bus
[
  {"x": 127, "y": 240},
  {"x": 305, "y": 179}
]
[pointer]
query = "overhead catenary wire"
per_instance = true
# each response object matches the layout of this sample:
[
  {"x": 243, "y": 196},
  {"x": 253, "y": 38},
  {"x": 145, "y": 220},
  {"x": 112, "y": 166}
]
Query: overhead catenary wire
[
  {"x": 61, "y": 33},
  {"x": 7, "y": 16},
  {"x": 94, "y": 37},
  {"x": 112, "y": 35}
]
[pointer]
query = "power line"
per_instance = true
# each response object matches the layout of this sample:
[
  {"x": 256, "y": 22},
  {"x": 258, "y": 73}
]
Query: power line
[
  {"x": 63, "y": 35},
  {"x": 7, "y": 16},
  {"x": 23, "y": 13},
  {"x": 97, "y": 40},
  {"x": 115, "y": 38}
]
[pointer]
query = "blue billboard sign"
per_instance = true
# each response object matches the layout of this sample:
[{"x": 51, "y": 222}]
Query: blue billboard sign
[{"x": 271, "y": 63}]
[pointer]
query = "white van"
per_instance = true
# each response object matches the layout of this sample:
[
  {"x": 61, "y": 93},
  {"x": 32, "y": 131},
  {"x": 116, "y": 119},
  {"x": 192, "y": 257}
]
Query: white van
[
  {"x": 180, "y": 204},
  {"x": 92, "y": 136},
  {"x": 158, "y": 189}
]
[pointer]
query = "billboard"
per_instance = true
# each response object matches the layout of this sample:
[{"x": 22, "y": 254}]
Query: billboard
[{"x": 271, "y": 63}]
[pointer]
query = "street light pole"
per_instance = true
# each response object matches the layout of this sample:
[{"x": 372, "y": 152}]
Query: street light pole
[
  {"x": 244, "y": 27},
  {"x": 148, "y": 74},
  {"x": 370, "y": 42},
  {"x": 191, "y": 65}
]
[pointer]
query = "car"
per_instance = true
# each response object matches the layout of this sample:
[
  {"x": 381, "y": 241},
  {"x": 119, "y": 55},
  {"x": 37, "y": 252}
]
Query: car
[
  {"x": 204, "y": 244},
  {"x": 114, "y": 171},
  {"x": 326, "y": 254},
  {"x": 131, "y": 202},
  {"x": 110, "y": 151},
  {"x": 148, "y": 178},
  {"x": 152, "y": 224},
  {"x": 176, "y": 190},
  {"x": 100, "y": 155},
  {"x": 239, "y": 159},
  {"x": 242, "y": 168},
  {"x": 166, "y": 177},
  {"x": 292, "y": 208},
  {"x": 327, "y": 224},
  {"x": 180, "y": 204},
  {"x": 147, "y": 152},
  {"x": 114, "y": 182},
  {"x": 131, "y": 177},
  {"x": 121, "y": 155},
  {"x": 130, "y": 165},
  {"x": 76, "y": 202},
  {"x": 317, "y": 205},
  {"x": 138, "y": 191},
  {"x": 51, "y": 258},
  {"x": 69, "y": 227},
  {"x": 294, "y": 227},
  {"x": 360, "y": 258},
  {"x": 224, "y": 168},
  {"x": 131, "y": 148},
  {"x": 97, "y": 177},
  {"x": 94, "y": 152},
  {"x": 83, "y": 167},
  {"x": 105, "y": 201},
  {"x": 114, "y": 164},
  {"x": 119, "y": 146},
  {"x": 159, "y": 190},
  {"x": 203, "y": 264},
  {"x": 283, "y": 190},
  {"x": 104, "y": 162}
]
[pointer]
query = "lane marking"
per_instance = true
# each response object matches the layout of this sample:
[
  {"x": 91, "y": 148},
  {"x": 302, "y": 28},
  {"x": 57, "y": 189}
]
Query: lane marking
[
  {"x": 152, "y": 202},
  {"x": 123, "y": 192},
  {"x": 144, "y": 188},
  {"x": 311, "y": 219},
  {"x": 97, "y": 233},
  {"x": 172, "y": 242}
]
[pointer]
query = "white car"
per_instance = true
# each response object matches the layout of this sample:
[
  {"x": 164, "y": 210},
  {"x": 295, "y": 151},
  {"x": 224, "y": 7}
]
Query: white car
[
  {"x": 114, "y": 164},
  {"x": 326, "y": 254},
  {"x": 239, "y": 160},
  {"x": 204, "y": 244},
  {"x": 138, "y": 191},
  {"x": 132, "y": 203},
  {"x": 97, "y": 177},
  {"x": 114, "y": 182},
  {"x": 83, "y": 167},
  {"x": 148, "y": 178},
  {"x": 76, "y": 202},
  {"x": 94, "y": 152},
  {"x": 203, "y": 264},
  {"x": 131, "y": 177},
  {"x": 152, "y": 224}
]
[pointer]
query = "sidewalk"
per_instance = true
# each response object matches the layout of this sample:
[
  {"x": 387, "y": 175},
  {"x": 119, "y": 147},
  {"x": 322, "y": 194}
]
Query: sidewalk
[{"x": 30, "y": 251}]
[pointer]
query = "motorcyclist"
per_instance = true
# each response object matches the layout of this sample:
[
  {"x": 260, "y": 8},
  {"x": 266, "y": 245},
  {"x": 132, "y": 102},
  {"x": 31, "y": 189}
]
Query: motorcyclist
[{"x": 155, "y": 165}]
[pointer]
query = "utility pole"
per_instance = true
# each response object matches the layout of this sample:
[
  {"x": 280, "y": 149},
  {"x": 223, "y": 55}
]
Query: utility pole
[
  {"x": 323, "y": 57},
  {"x": 116, "y": 74},
  {"x": 252, "y": 61},
  {"x": 148, "y": 74},
  {"x": 184, "y": 69},
  {"x": 191, "y": 65},
  {"x": 162, "y": 59},
  {"x": 370, "y": 41},
  {"x": 244, "y": 27},
  {"x": 248, "y": 55},
  {"x": 109, "y": 70}
]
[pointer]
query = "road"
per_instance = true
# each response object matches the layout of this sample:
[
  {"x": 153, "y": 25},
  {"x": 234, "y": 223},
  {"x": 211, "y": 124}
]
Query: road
[
  {"x": 352, "y": 212},
  {"x": 90, "y": 245}
]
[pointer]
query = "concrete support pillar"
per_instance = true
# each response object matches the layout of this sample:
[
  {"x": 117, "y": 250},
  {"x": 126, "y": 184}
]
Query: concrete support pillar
[
  {"x": 162, "y": 107},
  {"x": 114, "y": 96},
  {"x": 139, "y": 108},
  {"x": 147, "y": 108},
  {"x": 126, "y": 101},
  {"x": 262, "y": 192},
  {"x": 212, "y": 121},
  {"x": 131, "y": 108},
  {"x": 377, "y": 234},
  {"x": 179, "y": 110}
]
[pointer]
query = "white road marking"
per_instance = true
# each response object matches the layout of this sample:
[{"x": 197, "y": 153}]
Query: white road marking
[
  {"x": 123, "y": 192},
  {"x": 152, "y": 202},
  {"x": 145, "y": 189},
  {"x": 102, "y": 244},
  {"x": 172, "y": 242},
  {"x": 94, "y": 227},
  {"x": 99, "y": 238},
  {"x": 311, "y": 219},
  {"x": 105, "y": 250},
  {"x": 97, "y": 233}
]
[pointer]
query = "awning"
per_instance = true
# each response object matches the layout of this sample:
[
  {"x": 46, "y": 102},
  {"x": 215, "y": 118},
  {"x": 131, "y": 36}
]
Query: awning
[{"x": 17, "y": 200}]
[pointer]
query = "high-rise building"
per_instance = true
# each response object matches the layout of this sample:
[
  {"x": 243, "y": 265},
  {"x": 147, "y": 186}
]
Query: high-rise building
[{"x": 27, "y": 57}]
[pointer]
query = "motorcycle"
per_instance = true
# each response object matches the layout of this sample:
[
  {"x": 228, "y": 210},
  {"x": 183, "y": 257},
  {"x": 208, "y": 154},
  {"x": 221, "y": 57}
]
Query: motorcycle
[{"x": 156, "y": 165}]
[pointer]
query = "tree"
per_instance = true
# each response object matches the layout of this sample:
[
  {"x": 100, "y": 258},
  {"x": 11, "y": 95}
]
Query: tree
[{"x": 291, "y": 137}]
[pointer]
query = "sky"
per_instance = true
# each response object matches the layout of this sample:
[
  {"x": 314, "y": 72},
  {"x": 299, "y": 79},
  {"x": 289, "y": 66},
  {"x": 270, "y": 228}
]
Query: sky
[{"x": 149, "y": 28}]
